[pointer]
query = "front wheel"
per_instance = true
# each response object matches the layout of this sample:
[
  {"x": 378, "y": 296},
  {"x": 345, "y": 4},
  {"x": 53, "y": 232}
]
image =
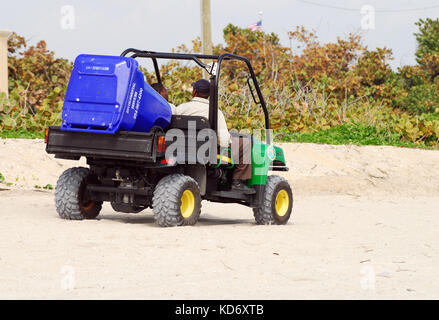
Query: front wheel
[
  {"x": 177, "y": 201},
  {"x": 277, "y": 204},
  {"x": 70, "y": 199}
]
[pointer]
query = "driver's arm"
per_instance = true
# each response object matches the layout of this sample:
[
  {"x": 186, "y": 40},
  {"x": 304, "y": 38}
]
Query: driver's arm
[{"x": 224, "y": 138}]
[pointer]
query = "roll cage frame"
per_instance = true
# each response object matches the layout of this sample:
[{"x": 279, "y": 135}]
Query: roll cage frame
[{"x": 215, "y": 71}]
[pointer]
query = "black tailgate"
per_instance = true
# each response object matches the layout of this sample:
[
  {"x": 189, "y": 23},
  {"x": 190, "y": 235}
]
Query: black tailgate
[{"x": 123, "y": 145}]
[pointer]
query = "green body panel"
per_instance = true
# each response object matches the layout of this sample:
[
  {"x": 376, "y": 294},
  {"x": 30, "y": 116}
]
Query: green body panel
[
  {"x": 280, "y": 155},
  {"x": 260, "y": 164}
]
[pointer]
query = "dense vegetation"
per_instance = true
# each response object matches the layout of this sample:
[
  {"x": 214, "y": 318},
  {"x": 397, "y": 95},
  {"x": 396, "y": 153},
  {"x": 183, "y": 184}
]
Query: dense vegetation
[{"x": 338, "y": 92}]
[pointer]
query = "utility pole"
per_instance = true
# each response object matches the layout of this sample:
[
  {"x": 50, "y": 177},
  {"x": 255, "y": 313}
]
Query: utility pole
[
  {"x": 4, "y": 34},
  {"x": 206, "y": 29}
]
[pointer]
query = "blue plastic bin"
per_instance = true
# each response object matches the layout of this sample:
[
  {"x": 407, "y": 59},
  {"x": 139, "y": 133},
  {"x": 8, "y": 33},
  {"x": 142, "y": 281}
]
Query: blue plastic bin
[{"x": 108, "y": 93}]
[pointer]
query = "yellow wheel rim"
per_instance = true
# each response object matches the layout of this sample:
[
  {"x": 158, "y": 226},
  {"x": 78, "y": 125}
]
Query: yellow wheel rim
[
  {"x": 282, "y": 203},
  {"x": 187, "y": 204}
]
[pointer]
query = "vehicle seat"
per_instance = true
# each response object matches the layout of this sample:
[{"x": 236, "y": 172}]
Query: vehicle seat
[{"x": 182, "y": 122}]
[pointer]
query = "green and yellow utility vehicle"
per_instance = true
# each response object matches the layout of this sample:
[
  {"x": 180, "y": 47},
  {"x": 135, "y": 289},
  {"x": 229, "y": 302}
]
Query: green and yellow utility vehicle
[{"x": 129, "y": 168}]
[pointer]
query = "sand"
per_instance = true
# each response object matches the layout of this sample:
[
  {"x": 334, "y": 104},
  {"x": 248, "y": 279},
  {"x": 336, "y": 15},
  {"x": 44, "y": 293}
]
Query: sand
[{"x": 364, "y": 225}]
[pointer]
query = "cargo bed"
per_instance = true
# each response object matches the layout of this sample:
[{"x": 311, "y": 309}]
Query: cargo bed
[{"x": 138, "y": 146}]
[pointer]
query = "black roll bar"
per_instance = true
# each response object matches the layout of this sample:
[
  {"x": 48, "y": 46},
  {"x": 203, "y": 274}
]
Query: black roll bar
[
  {"x": 164, "y": 55},
  {"x": 214, "y": 77},
  {"x": 214, "y": 104},
  {"x": 139, "y": 52}
]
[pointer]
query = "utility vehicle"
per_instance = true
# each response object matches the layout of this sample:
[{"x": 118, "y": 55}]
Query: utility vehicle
[{"x": 128, "y": 168}]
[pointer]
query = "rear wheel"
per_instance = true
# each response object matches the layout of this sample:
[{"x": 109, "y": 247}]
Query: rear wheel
[
  {"x": 70, "y": 199},
  {"x": 177, "y": 201},
  {"x": 277, "y": 204}
]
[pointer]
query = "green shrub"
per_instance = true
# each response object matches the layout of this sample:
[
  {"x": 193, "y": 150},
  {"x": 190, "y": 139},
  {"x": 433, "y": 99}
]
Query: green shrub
[
  {"x": 37, "y": 85},
  {"x": 337, "y": 92},
  {"x": 349, "y": 133},
  {"x": 420, "y": 99}
]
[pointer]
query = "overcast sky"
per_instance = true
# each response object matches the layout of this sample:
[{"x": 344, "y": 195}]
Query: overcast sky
[{"x": 109, "y": 26}]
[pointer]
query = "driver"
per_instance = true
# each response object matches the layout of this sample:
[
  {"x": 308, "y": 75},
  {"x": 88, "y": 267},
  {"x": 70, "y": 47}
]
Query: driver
[{"x": 241, "y": 147}]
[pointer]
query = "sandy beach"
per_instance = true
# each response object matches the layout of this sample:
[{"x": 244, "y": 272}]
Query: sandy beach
[{"x": 364, "y": 225}]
